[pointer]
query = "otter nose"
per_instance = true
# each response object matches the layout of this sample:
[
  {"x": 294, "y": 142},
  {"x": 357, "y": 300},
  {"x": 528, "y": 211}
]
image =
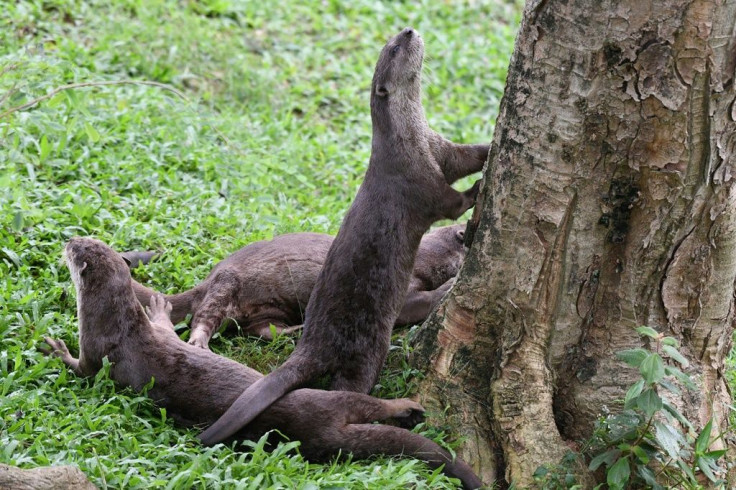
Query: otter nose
[{"x": 409, "y": 32}]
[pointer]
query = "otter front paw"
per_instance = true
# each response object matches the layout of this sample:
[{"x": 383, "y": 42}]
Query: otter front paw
[
  {"x": 471, "y": 195},
  {"x": 60, "y": 350},
  {"x": 408, "y": 413}
]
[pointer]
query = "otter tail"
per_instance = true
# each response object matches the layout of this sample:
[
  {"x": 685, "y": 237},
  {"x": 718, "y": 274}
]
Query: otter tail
[
  {"x": 257, "y": 398},
  {"x": 181, "y": 304},
  {"x": 364, "y": 440}
]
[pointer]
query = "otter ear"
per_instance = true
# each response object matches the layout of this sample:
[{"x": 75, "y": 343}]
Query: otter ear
[
  {"x": 126, "y": 259},
  {"x": 82, "y": 268},
  {"x": 460, "y": 235},
  {"x": 382, "y": 91}
]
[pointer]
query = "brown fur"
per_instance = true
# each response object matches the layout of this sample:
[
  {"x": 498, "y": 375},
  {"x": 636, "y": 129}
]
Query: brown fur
[
  {"x": 362, "y": 285},
  {"x": 269, "y": 283},
  {"x": 196, "y": 386}
]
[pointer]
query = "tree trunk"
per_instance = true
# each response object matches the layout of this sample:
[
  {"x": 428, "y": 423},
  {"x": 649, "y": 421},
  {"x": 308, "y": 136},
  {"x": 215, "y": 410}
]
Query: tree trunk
[{"x": 608, "y": 203}]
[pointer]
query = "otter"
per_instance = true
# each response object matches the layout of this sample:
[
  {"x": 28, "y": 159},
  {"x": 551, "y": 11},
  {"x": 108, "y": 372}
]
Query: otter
[
  {"x": 196, "y": 385},
  {"x": 360, "y": 290},
  {"x": 268, "y": 283}
]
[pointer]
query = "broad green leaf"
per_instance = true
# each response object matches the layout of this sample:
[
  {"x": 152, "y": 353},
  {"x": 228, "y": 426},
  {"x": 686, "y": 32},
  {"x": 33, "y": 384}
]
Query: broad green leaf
[
  {"x": 716, "y": 454},
  {"x": 641, "y": 454},
  {"x": 632, "y": 393},
  {"x": 12, "y": 256},
  {"x": 618, "y": 475},
  {"x": 687, "y": 470},
  {"x": 92, "y": 133},
  {"x": 675, "y": 354},
  {"x": 706, "y": 466},
  {"x": 652, "y": 368},
  {"x": 45, "y": 147},
  {"x": 608, "y": 457},
  {"x": 669, "y": 386},
  {"x": 633, "y": 357},
  {"x": 703, "y": 440},
  {"x": 649, "y": 402},
  {"x": 670, "y": 341},
  {"x": 62, "y": 143},
  {"x": 682, "y": 377},
  {"x": 55, "y": 100},
  {"x": 17, "y": 221},
  {"x": 648, "y": 476},
  {"x": 676, "y": 413},
  {"x": 648, "y": 331},
  {"x": 71, "y": 96},
  {"x": 668, "y": 438}
]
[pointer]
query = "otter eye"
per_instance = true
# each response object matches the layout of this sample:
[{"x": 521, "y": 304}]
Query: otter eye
[{"x": 394, "y": 50}]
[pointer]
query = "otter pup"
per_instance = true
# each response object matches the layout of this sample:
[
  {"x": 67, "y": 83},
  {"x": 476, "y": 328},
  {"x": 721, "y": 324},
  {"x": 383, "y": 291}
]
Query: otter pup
[
  {"x": 360, "y": 290},
  {"x": 269, "y": 283},
  {"x": 196, "y": 385}
]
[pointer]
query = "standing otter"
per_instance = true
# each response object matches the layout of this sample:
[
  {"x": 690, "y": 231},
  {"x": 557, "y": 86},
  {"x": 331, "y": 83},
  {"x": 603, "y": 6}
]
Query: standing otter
[
  {"x": 269, "y": 283},
  {"x": 196, "y": 386},
  {"x": 361, "y": 288}
]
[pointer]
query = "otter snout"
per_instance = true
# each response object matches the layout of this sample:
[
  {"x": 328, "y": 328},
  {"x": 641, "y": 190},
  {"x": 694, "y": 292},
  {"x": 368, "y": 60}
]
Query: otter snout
[{"x": 408, "y": 32}]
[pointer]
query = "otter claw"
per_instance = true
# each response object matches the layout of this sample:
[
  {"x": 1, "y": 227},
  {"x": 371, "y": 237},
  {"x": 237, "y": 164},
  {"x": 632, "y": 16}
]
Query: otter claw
[
  {"x": 408, "y": 413},
  {"x": 58, "y": 347},
  {"x": 158, "y": 307},
  {"x": 198, "y": 341}
]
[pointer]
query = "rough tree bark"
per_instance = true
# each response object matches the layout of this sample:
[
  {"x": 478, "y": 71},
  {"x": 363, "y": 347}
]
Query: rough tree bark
[{"x": 608, "y": 203}]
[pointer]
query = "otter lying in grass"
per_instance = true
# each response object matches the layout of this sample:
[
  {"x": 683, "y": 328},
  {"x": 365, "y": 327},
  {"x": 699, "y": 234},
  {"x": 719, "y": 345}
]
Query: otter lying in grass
[
  {"x": 268, "y": 283},
  {"x": 196, "y": 386}
]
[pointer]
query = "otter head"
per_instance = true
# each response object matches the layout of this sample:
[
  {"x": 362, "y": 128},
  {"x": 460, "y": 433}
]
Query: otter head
[
  {"x": 447, "y": 243},
  {"x": 453, "y": 238},
  {"x": 96, "y": 267},
  {"x": 399, "y": 68}
]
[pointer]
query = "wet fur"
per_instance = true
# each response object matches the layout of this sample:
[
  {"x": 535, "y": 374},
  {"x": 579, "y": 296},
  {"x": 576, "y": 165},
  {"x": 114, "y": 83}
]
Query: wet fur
[
  {"x": 269, "y": 283},
  {"x": 196, "y": 386},
  {"x": 362, "y": 285}
]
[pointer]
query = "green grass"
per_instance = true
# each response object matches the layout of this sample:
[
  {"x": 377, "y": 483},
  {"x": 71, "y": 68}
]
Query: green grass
[{"x": 272, "y": 136}]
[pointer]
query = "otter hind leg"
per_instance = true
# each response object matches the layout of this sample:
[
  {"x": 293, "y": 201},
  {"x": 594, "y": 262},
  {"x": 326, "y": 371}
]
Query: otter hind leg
[{"x": 359, "y": 378}]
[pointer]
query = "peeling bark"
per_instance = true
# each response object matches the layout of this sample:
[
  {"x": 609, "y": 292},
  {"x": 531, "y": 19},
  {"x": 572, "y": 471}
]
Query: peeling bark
[{"x": 608, "y": 203}]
